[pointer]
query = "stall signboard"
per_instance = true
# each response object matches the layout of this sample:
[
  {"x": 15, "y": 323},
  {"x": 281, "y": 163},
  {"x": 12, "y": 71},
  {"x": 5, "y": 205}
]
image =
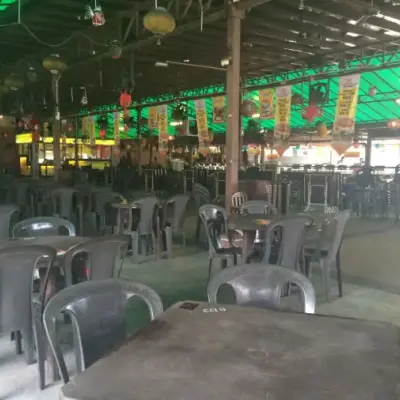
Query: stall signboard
[
  {"x": 152, "y": 118},
  {"x": 266, "y": 97},
  {"x": 162, "y": 130},
  {"x": 346, "y": 107},
  {"x": 202, "y": 125},
  {"x": 117, "y": 136},
  {"x": 282, "y": 112},
  {"x": 218, "y": 107}
]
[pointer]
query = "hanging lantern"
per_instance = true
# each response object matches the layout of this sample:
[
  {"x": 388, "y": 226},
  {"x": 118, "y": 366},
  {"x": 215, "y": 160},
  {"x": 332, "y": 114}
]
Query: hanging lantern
[
  {"x": 14, "y": 82},
  {"x": 159, "y": 21},
  {"x": 372, "y": 90},
  {"x": 54, "y": 64},
  {"x": 84, "y": 98},
  {"x": 248, "y": 108},
  {"x": 115, "y": 49},
  {"x": 311, "y": 112},
  {"x": 322, "y": 130},
  {"x": 102, "y": 133},
  {"x": 125, "y": 100},
  {"x": 179, "y": 113},
  {"x": 95, "y": 14}
]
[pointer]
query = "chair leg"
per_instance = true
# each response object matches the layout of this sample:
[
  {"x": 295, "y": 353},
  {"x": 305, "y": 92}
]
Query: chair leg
[
  {"x": 198, "y": 225},
  {"x": 41, "y": 346},
  {"x": 325, "y": 278},
  {"x": 18, "y": 342},
  {"x": 210, "y": 268},
  {"x": 339, "y": 274},
  {"x": 28, "y": 346}
]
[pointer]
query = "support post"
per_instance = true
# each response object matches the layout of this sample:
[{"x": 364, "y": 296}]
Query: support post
[
  {"x": 56, "y": 128},
  {"x": 368, "y": 149},
  {"x": 139, "y": 134},
  {"x": 233, "y": 99}
]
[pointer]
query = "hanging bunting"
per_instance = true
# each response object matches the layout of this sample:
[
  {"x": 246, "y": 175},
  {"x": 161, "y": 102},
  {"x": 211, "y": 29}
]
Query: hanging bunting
[
  {"x": 218, "y": 106},
  {"x": 282, "y": 112},
  {"x": 162, "y": 130},
  {"x": 266, "y": 97},
  {"x": 202, "y": 125},
  {"x": 152, "y": 119},
  {"x": 346, "y": 106},
  {"x": 92, "y": 130},
  {"x": 116, "y": 128}
]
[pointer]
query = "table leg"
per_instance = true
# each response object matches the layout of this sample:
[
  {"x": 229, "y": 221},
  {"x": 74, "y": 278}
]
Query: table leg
[{"x": 245, "y": 247}]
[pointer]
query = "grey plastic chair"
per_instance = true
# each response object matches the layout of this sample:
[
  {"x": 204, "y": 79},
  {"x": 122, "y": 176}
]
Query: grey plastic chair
[
  {"x": 237, "y": 200},
  {"x": 144, "y": 236},
  {"x": 258, "y": 207},
  {"x": 98, "y": 313},
  {"x": 17, "y": 266},
  {"x": 201, "y": 196},
  {"x": 176, "y": 218},
  {"x": 214, "y": 219},
  {"x": 18, "y": 193},
  {"x": 330, "y": 258},
  {"x": 63, "y": 202},
  {"x": 261, "y": 286},
  {"x": 288, "y": 234},
  {"x": 9, "y": 215},
  {"x": 43, "y": 226},
  {"x": 105, "y": 256}
]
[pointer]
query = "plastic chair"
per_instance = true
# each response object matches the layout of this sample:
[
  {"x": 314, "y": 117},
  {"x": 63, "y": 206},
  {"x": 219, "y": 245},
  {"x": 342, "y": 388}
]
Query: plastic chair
[
  {"x": 258, "y": 207},
  {"x": 145, "y": 229},
  {"x": 201, "y": 196},
  {"x": 17, "y": 266},
  {"x": 329, "y": 257},
  {"x": 261, "y": 286},
  {"x": 98, "y": 313},
  {"x": 176, "y": 219},
  {"x": 101, "y": 199},
  {"x": 9, "y": 214},
  {"x": 214, "y": 219},
  {"x": 105, "y": 256},
  {"x": 289, "y": 235},
  {"x": 18, "y": 193},
  {"x": 43, "y": 226},
  {"x": 237, "y": 200},
  {"x": 63, "y": 202}
]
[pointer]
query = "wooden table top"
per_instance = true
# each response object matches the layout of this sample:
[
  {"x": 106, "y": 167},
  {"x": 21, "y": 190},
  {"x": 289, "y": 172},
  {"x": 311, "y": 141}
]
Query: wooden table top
[
  {"x": 207, "y": 351},
  {"x": 249, "y": 222},
  {"x": 61, "y": 243}
]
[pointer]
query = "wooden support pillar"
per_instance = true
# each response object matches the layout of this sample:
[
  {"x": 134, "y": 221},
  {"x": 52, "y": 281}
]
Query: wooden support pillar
[{"x": 233, "y": 99}]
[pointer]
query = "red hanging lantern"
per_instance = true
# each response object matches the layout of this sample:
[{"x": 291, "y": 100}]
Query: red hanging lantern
[
  {"x": 102, "y": 133},
  {"x": 125, "y": 101},
  {"x": 312, "y": 112}
]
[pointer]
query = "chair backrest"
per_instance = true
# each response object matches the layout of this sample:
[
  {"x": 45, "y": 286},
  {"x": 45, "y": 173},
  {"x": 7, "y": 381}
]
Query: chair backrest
[
  {"x": 288, "y": 235},
  {"x": 17, "y": 265},
  {"x": 8, "y": 214},
  {"x": 43, "y": 226},
  {"x": 147, "y": 208},
  {"x": 258, "y": 207},
  {"x": 214, "y": 219},
  {"x": 103, "y": 197},
  {"x": 63, "y": 201},
  {"x": 262, "y": 284},
  {"x": 201, "y": 195},
  {"x": 178, "y": 205},
  {"x": 104, "y": 257},
  {"x": 18, "y": 193},
  {"x": 98, "y": 313},
  {"x": 238, "y": 199},
  {"x": 337, "y": 225}
]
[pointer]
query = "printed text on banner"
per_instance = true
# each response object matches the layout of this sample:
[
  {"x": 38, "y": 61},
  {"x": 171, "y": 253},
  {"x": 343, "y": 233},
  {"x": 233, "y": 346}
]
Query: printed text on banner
[
  {"x": 202, "y": 125},
  {"x": 282, "y": 112},
  {"x": 266, "y": 97}
]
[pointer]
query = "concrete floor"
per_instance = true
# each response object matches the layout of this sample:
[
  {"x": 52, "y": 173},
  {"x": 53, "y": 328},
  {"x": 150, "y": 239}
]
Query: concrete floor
[{"x": 370, "y": 255}]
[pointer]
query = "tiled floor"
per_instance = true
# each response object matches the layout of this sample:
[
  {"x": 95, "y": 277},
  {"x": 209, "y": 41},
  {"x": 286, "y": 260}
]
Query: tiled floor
[{"x": 370, "y": 262}]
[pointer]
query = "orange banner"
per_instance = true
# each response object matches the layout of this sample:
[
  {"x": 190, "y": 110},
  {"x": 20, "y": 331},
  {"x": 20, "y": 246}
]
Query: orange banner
[{"x": 162, "y": 130}]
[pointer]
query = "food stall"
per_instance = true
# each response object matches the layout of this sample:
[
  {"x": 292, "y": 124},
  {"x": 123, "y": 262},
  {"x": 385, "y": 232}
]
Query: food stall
[{"x": 73, "y": 151}]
